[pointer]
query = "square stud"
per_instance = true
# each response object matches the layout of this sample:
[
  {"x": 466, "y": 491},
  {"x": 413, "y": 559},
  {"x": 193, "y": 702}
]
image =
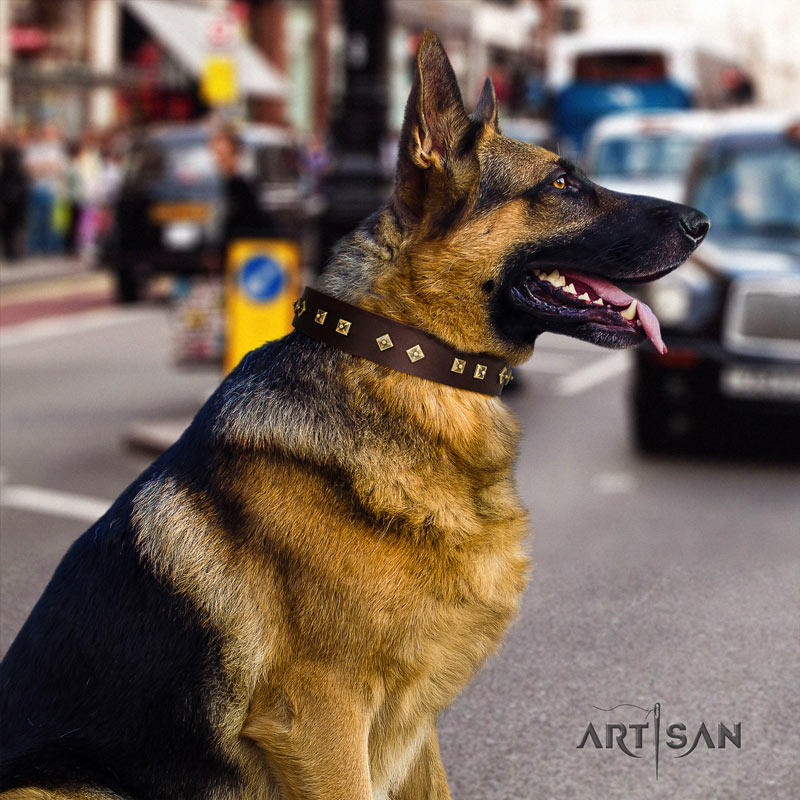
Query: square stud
[
  {"x": 504, "y": 377},
  {"x": 458, "y": 366},
  {"x": 415, "y": 353},
  {"x": 300, "y": 307},
  {"x": 384, "y": 342},
  {"x": 480, "y": 372},
  {"x": 319, "y": 317},
  {"x": 343, "y": 327}
]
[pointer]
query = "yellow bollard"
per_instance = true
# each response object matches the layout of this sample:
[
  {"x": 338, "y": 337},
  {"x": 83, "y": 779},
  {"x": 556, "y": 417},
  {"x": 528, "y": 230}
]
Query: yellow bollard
[{"x": 262, "y": 281}]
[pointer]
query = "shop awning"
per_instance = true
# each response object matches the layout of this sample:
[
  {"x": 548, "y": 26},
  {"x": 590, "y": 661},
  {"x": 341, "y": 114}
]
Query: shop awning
[{"x": 183, "y": 30}]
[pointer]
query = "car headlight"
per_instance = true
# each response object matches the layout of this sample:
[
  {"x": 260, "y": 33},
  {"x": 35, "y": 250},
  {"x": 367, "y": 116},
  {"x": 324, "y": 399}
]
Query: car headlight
[
  {"x": 672, "y": 302},
  {"x": 680, "y": 297}
]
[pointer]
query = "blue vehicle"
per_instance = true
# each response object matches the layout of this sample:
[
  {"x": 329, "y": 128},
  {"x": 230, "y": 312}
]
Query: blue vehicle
[{"x": 593, "y": 75}]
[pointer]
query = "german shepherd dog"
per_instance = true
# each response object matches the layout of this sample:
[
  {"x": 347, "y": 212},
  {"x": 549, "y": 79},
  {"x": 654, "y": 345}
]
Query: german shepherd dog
[{"x": 284, "y": 602}]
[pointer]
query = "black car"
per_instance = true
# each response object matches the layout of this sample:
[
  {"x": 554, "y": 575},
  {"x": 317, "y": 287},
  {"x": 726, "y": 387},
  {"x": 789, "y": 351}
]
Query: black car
[
  {"x": 731, "y": 315},
  {"x": 167, "y": 215}
]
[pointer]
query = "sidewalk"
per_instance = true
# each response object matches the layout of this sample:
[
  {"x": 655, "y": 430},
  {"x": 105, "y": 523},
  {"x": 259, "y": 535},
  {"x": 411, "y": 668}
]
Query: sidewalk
[
  {"x": 46, "y": 287},
  {"x": 40, "y": 268}
]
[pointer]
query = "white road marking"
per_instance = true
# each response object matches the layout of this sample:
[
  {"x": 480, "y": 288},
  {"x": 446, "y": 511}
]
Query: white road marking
[
  {"x": 597, "y": 372},
  {"x": 613, "y": 483},
  {"x": 553, "y": 363},
  {"x": 54, "y": 504},
  {"x": 57, "y": 327},
  {"x": 563, "y": 344}
]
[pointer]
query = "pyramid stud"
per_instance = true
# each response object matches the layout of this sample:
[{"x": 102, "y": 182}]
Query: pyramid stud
[
  {"x": 319, "y": 317},
  {"x": 300, "y": 307},
  {"x": 415, "y": 353},
  {"x": 458, "y": 365},
  {"x": 343, "y": 327},
  {"x": 480, "y": 372},
  {"x": 384, "y": 342}
]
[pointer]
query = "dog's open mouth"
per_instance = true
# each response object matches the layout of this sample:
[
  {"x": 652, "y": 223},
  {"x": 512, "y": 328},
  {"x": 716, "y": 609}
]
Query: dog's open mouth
[{"x": 588, "y": 299}]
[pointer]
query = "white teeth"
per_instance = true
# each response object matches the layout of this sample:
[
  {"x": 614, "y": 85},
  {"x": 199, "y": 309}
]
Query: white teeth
[
  {"x": 630, "y": 312},
  {"x": 585, "y": 296},
  {"x": 556, "y": 278},
  {"x": 598, "y": 302},
  {"x": 570, "y": 289}
]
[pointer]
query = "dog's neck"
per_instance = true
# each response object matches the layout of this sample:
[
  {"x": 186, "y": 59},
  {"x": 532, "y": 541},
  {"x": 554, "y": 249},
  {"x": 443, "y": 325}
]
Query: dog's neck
[
  {"x": 371, "y": 269},
  {"x": 441, "y": 460}
]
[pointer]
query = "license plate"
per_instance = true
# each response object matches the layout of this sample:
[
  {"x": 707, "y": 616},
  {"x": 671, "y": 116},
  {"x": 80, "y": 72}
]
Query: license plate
[
  {"x": 164, "y": 213},
  {"x": 777, "y": 383}
]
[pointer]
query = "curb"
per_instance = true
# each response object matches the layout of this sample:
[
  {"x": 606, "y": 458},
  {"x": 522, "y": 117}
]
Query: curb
[{"x": 34, "y": 270}]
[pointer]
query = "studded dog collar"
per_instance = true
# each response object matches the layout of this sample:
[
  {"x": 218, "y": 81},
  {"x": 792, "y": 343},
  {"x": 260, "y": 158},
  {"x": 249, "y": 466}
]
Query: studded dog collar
[{"x": 396, "y": 345}]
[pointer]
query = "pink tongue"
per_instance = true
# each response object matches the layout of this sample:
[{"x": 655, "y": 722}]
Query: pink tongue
[
  {"x": 617, "y": 297},
  {"x": 651, "y": 327}
]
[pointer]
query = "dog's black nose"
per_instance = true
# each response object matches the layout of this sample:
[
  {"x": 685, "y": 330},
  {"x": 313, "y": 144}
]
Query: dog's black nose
[{"x": 694, "y": 225}]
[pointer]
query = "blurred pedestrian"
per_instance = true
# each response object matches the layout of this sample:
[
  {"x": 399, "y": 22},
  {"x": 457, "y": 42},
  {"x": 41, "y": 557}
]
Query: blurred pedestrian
[
  {"x": 14, "y": 186},
  {"x": 105, "y": 188},
  {"x": 89, "y": 168},
  {"x": 45, "y": 161},
  {"x": 73, "y": 187},
  {"x": 242, "y": 214},
  {"x": 111, "y": 171}
]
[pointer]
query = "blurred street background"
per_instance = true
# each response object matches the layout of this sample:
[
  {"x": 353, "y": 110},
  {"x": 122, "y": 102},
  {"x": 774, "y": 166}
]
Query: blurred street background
[{"x": 173, "y": 171}]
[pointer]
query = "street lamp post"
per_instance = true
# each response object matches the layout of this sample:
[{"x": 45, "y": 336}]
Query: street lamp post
[{"x": 357, "y": 185}]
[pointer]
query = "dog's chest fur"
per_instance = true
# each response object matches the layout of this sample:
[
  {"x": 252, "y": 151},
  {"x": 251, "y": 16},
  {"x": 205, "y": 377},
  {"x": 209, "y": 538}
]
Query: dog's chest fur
[{"x": 404, "y": 623}]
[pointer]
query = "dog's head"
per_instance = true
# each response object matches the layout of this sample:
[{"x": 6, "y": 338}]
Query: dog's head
[{"x": 503, "y": 240}]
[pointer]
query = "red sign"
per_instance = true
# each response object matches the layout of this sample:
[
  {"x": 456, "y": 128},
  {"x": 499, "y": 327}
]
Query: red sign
[{"x": 28, "y": 38}]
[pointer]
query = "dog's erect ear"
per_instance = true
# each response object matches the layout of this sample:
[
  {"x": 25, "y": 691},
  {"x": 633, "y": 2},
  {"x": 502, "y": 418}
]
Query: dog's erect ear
[
  {"x": 435, "y": 115},
  {"x": 486, "y": 110},
  {"x": 434, "y": 126}
]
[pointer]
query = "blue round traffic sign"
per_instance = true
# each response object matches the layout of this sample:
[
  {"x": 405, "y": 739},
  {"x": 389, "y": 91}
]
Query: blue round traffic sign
[{"x": 262, "y": 278}]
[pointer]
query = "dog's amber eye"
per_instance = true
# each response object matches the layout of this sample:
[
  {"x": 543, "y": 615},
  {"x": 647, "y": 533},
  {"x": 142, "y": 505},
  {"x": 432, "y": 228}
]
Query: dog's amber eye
[{"x": 560, "y": 182}]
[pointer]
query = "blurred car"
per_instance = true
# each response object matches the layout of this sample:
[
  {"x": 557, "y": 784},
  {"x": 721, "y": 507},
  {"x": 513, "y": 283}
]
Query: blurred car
[
  {"x": 592, "y": 74},
  {"x": 731, "y": 315},
  {"x": 167, "y": 214},
  {"x": 527, "y": 129},
  {"x": 647, "y": 153}
]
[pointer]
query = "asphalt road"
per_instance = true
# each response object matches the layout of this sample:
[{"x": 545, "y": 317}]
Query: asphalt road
[{"x": 670, "y": 580}]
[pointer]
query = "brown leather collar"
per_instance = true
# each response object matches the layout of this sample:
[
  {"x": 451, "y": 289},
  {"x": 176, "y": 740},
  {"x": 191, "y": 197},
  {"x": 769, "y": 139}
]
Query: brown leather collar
[{"x": 396, "y": 345}]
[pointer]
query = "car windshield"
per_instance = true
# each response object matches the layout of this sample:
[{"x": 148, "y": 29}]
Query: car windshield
[
  {"x": 643, "y": 156},
  {"x": 185, "y": 162},
  {"x": 753, "y": 190},
  {"x": 191, "y": 162}
]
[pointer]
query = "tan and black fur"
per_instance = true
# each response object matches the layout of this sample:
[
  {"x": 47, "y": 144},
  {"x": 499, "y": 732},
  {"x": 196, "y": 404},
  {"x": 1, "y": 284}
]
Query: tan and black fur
[{"x": 285, "y": 601}]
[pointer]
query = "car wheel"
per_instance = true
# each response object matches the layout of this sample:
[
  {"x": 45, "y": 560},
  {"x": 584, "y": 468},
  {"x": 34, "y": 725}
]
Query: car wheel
[
  {"x": 660, "y": 426},
  {"x": 651, "y": 433}
]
